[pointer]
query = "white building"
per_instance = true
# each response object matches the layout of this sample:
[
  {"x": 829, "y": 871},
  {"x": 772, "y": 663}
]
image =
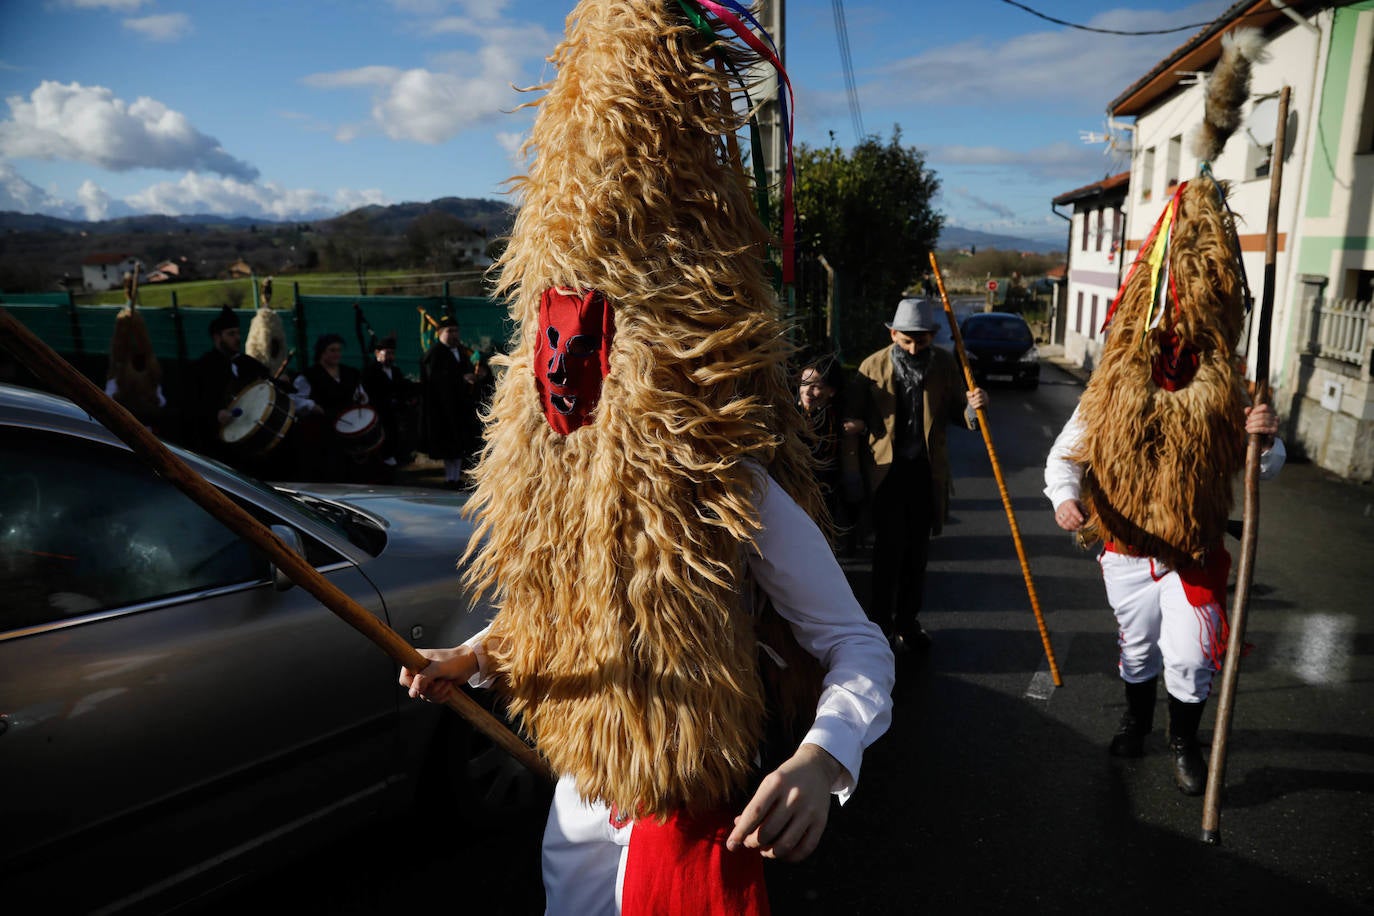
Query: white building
[
  {"x": 1096, "y": 228},
  {"x": 1321, "y": 348},
  {"x": 106, "y": 271}
]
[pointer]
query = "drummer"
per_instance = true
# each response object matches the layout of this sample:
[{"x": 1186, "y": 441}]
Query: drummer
[
  {"x": 322, "y": 392},
  {"x": 215, "y": 379}
]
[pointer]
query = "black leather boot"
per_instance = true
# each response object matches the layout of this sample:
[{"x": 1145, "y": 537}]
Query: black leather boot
[
  {"x": 1190, "y": 772},
  {"x": 1137, "y": 721}
]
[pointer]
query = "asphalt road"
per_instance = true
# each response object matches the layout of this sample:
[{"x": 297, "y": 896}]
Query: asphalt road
[{"x": 993, "y": 791}]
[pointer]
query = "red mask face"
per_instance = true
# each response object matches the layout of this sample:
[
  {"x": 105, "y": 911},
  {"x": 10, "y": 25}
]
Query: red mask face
[
  {"x": 1176, "y": 363},
  {"x": 572, "y": 357}
]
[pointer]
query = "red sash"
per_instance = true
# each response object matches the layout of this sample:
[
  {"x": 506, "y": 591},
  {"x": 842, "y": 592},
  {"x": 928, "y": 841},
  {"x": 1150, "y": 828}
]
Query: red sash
[{"x": 682, "y": 868}]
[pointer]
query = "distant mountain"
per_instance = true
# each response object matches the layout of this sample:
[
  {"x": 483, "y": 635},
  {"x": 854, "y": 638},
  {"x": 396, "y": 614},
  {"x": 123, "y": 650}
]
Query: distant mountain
[
  {"x": 39, "y": 252},
  {"x": 957, "y": 237},
  {"x": 11, "y": 221},
  {"x": 493, "y": 217}
]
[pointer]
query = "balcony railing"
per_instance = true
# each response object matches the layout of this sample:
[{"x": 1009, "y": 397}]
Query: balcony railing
[{"x": 1340, "y": 330}]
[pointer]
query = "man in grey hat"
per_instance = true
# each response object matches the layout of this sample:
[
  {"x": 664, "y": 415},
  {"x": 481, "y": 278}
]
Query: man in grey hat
[{"x": 904, "y": 395}]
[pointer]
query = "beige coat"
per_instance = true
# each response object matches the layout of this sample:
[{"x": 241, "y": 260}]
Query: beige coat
[{"x": 873, "y": 399}]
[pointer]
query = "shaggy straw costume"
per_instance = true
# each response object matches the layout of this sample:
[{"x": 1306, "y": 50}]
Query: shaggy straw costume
[
  {"x": 1158, "y": 439},
  {"x": 1163, "y": 408},
  {"x": 267, "y": 340},
  {"x": 134, "y": 367},
  {"x": 616, "y": 553}
]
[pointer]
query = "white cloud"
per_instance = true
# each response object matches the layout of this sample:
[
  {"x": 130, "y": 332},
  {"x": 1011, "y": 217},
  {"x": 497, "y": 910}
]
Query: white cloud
[
  {"x": 459, "y": 89},
  {"x": 19, "y": 194},
  {"x": 162, "y": 27},
  {"x": 1056, "y": 161},
  {"x": 190, "y": 194},
  {"x": 196, "y": 193},
  {"x": 88, "y": 124},
  {"x": 482, "y": 9},
  {"x": 993, "y": 207},
  {"x": 123, "y": 6},
  {"x": 94, "y": 201},
  {"x": 424, "y": 106},
  {"x": 349, "y": 79},
  {"x": 510, "y": 142},
  {"x": 1059, "y": 67}
]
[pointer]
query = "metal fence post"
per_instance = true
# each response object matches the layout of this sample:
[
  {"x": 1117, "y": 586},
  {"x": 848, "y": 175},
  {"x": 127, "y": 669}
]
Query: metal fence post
[
  {"x": 179, "y": 329},
  {"x": 302, "y": 338}
]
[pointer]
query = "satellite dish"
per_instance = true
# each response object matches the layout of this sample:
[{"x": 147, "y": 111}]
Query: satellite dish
[{"x": 1263, "y": 122}]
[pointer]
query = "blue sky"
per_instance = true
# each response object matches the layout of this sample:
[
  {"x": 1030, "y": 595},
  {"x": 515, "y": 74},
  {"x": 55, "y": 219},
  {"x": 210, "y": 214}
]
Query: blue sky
[{"x": 298, "y": 110}]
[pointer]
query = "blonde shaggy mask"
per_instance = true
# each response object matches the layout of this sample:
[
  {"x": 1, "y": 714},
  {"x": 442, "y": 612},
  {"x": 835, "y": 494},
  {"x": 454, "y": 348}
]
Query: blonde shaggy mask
[{"x": 615, "y": 554}]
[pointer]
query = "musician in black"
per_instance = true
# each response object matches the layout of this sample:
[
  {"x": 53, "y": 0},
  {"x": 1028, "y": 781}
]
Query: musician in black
[
  {"x": 322, "y": 393},
  {"x": 215, "y": 380},
  {"x": 394, "y": 397},
  {"x": 449, "y": 430}
]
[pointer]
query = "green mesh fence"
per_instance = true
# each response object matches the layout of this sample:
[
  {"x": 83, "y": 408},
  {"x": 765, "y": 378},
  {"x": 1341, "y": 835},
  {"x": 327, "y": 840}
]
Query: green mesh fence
[{"x": 82, "y": 333}]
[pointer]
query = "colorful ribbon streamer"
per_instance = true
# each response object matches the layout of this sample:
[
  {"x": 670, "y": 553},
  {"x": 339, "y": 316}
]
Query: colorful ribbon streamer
[{"x": 734, "y": 16}]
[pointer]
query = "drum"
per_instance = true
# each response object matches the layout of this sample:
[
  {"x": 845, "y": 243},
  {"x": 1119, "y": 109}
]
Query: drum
[
  {"x": 360, "y": 430},
  {"x": 262, "y": 418}
]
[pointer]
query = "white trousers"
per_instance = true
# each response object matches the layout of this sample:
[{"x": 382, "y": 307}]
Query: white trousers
[
  {"x": 583, "y": 857},
  {"x": 1158, "y": 628}
]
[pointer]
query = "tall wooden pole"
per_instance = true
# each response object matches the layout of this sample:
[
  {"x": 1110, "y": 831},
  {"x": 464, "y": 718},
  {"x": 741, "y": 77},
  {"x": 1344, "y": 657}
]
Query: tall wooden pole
[
  {"x": 59, "y": 375},
  {"x": 1001, "y": 481},
  {"x": 1245, "y": 568}
]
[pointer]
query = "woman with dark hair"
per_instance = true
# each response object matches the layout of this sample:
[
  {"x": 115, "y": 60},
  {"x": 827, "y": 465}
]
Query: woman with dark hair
[
  {"x": 820, "y": 390},
  {"x": 323, "y": 393}
]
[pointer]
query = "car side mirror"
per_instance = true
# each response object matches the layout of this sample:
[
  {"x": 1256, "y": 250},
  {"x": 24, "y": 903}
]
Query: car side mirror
[{"x": 291, "y": 538}]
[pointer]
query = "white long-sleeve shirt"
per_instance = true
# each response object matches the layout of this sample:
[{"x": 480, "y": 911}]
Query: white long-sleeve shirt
[
  {"x": 1064, "y": 477},
  {"x": 793, "y": 562},
  {"x": 303, "y": 402}
]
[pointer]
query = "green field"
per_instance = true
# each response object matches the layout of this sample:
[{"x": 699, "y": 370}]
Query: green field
[{"x": 239, "y": 293}]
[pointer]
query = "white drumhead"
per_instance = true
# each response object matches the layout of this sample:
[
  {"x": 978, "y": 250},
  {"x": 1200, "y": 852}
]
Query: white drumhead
[
  {"x": 355, "y": 420},
  {"x": 254, "y": 402}
]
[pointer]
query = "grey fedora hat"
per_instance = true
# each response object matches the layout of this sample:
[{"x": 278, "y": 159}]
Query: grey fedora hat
[{"x": 913, "y": 316}]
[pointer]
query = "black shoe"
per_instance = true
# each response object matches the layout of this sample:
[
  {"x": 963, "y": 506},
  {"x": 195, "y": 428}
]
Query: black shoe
[
  {"x": 1137, "y": 721},
  {"x": 911, "y": 640},
  {"x": 1190, "y": 772},
  {"x": 1129, "y": 740}
]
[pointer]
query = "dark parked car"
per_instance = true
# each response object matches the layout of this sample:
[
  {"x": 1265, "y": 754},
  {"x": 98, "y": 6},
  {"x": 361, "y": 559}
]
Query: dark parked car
[
  {"x": 1001, "y": 348},
  {"x": 172, "y": 713}
]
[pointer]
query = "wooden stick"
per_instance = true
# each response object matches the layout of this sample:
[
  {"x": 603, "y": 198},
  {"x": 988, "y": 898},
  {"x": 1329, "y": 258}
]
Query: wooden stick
[
  {"x": 1245, "y": 568},
  {"x": 282, "y": 368},
  {"x": 131, "y": 289},
  {"x": 58, "y": 374},
  {"x": 997, "y": 473}
]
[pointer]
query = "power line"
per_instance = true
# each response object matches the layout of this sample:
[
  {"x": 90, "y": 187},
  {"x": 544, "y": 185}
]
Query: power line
[
  {"x": 1088, "y": 28},
  {"x": 847, "y": 68}
]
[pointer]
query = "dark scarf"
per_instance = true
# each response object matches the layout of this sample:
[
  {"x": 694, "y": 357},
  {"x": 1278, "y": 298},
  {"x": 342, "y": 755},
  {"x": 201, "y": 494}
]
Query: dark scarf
[{"x": 910, "y": 372}]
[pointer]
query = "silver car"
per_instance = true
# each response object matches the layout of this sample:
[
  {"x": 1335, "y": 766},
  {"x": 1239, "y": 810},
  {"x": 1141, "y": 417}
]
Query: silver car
[{"x": 171, "y": 710}]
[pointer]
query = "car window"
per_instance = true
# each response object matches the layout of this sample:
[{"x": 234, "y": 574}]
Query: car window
[
  {"x": 85, "y": 527},
  {"x": 348, "y": 523},
  {"x": 361, "y": 531},
  {"x": 988, "y": 328}
]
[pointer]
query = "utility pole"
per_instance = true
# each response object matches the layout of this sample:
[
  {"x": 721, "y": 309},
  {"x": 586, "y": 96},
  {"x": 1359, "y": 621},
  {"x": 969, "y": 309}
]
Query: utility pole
[{"x": 772, "y": 15}]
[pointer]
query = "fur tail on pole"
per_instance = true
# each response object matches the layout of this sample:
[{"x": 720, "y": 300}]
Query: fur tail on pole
[{"x": 1227, "y": 89}]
